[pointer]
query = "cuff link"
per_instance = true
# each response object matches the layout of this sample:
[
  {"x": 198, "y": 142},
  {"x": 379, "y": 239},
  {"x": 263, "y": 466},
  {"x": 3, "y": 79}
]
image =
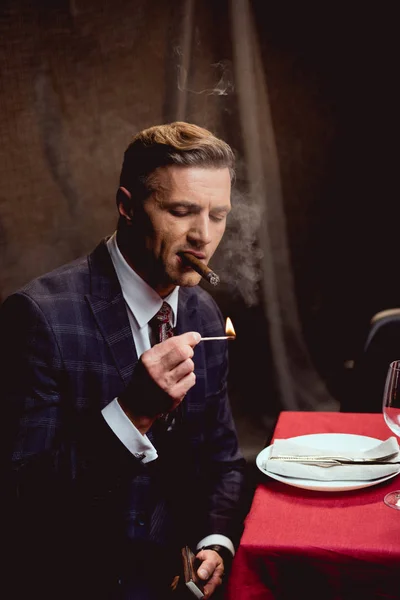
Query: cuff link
[{"x": 140, "y": 455}]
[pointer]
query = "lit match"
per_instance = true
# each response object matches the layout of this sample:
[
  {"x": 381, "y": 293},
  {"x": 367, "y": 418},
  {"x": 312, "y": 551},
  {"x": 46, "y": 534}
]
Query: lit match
[
  {"x": 200, "y": 267},
  {"x": 229, "y": 330}
]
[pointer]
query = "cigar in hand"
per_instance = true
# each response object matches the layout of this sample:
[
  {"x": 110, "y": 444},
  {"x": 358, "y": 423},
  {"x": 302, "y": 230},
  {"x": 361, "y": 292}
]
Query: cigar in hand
[{"x": 200, "y": 267}]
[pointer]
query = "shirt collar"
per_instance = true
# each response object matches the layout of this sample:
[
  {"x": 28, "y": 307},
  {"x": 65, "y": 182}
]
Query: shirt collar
[{"x": 143, "y": 301}]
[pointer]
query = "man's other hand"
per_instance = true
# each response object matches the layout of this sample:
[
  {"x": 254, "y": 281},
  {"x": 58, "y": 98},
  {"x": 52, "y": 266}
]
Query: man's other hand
[{"x": 210, "y": 570}]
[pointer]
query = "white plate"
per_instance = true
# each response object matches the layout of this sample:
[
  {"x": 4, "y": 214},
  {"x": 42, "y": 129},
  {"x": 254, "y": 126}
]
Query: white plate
[{"x": 340, "y": 442}]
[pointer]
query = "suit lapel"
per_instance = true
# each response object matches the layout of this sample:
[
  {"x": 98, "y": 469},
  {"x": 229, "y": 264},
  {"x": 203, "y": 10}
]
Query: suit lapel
[
  {"x": 189, "y": 320},
  {"x": 109, "y": 310}
]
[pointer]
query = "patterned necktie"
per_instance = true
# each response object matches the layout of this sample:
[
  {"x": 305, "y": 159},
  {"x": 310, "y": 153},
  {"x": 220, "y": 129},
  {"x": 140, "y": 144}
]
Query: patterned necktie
[
  {"x": 163, "y": 331},
  {"x": 163, "y": 323}
]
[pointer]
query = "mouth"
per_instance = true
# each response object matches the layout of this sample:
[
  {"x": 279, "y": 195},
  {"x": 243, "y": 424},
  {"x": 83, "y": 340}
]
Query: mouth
[
  {"x": 200, "y": 255},
  {"x": 190, "y": 259}
]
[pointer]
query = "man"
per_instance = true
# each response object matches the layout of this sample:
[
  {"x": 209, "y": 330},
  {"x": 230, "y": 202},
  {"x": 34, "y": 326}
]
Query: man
[{"x": 120, "y": 443}]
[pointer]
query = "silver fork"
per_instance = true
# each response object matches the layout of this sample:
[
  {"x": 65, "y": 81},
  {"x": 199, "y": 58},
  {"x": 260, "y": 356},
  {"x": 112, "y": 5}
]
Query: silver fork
[{"x": 331, "y": 461}]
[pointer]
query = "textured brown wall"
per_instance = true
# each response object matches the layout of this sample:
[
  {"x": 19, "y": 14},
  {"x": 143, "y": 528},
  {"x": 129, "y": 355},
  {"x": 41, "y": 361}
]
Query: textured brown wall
[{"x": 75, "y": 85}]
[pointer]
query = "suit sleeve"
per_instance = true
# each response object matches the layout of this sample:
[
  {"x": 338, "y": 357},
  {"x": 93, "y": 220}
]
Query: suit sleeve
[
  {"x": 61, "y": 474},
  {"x": 40, "y": 428},
  {"x": 223, "y": 464},
  {"x": 225, "y": 470}
]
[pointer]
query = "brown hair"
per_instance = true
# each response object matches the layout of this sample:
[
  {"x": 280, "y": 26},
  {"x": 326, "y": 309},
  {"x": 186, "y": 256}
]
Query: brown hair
[{"x": 182, "y": 144}]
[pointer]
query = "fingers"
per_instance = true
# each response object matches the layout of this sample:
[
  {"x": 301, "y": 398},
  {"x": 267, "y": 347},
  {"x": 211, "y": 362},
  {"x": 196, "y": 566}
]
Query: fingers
[
  {"x": 180, "y": 371},
  {"x": 174, "y": 350},
  {"x": 192, "y": 338},
  {"x": 171, "y": 357},
  {"x": 211, "y": 569},
  {"x": 170, "y": 364},
  {"x": 177, "y": 387},
  {"x": 180, "y": 389},
  {"x": 211, "y": 585}
]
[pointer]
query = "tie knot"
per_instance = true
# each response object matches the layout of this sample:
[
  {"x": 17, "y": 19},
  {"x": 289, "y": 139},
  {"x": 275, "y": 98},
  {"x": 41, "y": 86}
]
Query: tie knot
[{"x": 164, "y": 314}]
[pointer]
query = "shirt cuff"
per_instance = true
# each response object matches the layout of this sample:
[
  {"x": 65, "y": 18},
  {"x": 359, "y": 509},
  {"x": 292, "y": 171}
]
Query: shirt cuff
[
  {"x": 217, "y": 538},
  {"x": 139, "y": 445}
]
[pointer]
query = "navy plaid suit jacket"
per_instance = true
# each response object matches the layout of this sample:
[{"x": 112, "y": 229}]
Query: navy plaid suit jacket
[{"x": 74, "y": 490}]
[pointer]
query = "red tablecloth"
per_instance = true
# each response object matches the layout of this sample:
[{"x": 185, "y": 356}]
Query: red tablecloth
[{"x": 324, "y": 545}]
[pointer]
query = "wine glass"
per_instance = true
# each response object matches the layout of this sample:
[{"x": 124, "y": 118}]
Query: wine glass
[{"x": 391, "y": 414}]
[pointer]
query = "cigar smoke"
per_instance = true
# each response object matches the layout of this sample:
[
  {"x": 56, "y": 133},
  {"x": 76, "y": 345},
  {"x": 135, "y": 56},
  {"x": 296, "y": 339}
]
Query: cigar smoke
[
  {"x": 200, "y": 267},
  {"x": 220, "y": 79},
  {"x": 238, "y": 257}
]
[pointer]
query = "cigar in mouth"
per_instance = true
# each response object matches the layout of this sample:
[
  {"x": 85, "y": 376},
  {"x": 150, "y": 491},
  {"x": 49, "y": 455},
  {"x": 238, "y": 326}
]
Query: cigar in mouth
[{"x": 200, "y": 267}]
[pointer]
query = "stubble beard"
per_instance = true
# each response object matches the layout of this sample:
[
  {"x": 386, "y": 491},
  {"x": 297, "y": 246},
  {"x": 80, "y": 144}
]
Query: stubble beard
[{"x": 180, "y": 278}]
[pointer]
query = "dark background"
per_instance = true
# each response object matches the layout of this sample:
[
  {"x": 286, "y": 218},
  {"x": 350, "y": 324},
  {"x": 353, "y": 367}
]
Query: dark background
[{"x": 79, "y": 78}]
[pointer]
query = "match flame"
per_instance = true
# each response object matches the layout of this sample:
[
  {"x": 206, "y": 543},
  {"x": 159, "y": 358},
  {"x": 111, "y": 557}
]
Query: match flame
[{"x": 229, "y": 329}]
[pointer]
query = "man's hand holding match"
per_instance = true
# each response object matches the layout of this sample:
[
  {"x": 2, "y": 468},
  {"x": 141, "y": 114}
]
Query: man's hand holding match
[{"x": 161, "y": 379}]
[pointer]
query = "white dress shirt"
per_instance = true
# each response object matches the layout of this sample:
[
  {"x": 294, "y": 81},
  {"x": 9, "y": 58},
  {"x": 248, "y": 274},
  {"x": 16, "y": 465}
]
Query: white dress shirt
[{"x": 142, "y": 303}]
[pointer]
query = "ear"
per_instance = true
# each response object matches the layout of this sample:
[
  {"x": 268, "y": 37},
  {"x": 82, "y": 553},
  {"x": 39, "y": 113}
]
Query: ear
[{"x": 124, "y": 203}]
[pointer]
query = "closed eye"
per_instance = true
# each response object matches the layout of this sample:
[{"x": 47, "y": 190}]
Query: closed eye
[
  {"x": 220, "y": 213},
  {"x": 183, "y": 209},
  {"x": 180, "y": 212},
  {"x": 218, "y": 217}
]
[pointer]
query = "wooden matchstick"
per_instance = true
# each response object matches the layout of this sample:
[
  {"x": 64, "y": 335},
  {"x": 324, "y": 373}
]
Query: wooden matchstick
[{"x": 221, "y": 337}]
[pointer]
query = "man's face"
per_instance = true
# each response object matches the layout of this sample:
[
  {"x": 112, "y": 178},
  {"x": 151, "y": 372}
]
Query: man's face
[{"x": 187, "y": 213}]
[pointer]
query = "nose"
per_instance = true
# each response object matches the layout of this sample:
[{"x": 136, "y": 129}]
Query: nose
[{"x": 199, "y": 232}]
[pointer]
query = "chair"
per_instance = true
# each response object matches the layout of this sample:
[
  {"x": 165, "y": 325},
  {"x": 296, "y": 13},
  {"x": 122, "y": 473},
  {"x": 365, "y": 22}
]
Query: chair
[{"x": 381, "y": 347}]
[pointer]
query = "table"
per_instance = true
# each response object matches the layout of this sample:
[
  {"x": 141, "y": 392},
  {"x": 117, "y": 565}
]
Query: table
[{"x": 319, "y": 545}]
